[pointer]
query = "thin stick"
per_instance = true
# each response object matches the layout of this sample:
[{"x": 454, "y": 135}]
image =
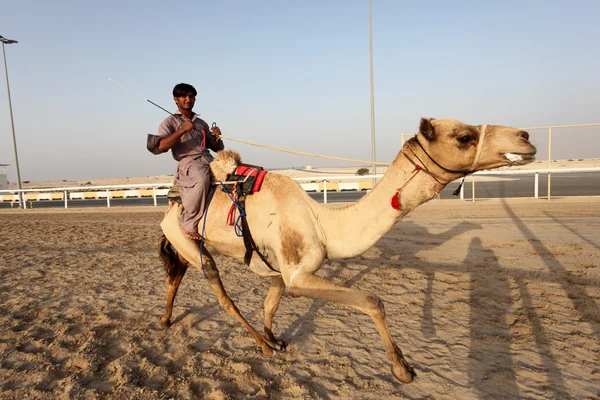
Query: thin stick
[{"x": 139, "y": 95}]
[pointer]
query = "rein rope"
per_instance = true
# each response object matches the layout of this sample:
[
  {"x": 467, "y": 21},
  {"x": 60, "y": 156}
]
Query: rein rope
[
  {"x": 237, "y": 227},
  {"x": 304, "y": 153}
]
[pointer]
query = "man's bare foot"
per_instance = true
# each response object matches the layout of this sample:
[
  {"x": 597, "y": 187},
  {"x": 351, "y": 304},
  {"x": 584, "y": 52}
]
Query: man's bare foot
[{"x": 192, "y": 235}]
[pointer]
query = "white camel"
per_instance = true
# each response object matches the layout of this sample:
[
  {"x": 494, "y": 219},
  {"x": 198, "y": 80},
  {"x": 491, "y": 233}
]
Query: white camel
[{"x": 296, "y": 234}]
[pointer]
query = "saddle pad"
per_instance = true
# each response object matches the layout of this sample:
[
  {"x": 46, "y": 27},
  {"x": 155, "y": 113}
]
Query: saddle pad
[{"x": 248, "y": 170}]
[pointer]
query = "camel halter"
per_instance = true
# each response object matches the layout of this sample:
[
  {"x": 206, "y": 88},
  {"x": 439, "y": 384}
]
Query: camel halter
[
  {"x": 475, "y": 160},
  {"x": 395, "y": 200}
]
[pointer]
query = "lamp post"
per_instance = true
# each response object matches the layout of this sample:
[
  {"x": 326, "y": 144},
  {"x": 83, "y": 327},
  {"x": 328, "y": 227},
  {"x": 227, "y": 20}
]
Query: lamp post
[
  {"x": 12, "y": 123},
  {"x": 373, "y": 157}
]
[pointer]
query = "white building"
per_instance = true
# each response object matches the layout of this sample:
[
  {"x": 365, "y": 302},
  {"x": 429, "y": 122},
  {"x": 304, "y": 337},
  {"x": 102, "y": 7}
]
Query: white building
[{"x": 3, "y": 177}]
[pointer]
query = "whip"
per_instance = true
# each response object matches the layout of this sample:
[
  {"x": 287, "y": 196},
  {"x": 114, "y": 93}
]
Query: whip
[
  {"x": 256, "y": 144},
  {"x": 139, "y": 95}
]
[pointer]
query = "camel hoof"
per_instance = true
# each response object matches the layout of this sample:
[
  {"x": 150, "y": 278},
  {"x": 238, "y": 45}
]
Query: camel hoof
[
  {"x": 166, "y": 323},
  {"x": 266, "y": 350},
  {"x": 403, "y": 372},
  {"x": 274, "y": 343}
]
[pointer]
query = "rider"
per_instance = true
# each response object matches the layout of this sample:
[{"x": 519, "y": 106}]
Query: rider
[{"x": 189, "y": 139}]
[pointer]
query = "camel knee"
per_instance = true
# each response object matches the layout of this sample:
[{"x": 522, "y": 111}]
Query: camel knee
[
  {"x": 212, "y": 274},
  {"x": 210, "y": 269},
  {"x": 374, "y": 306}
]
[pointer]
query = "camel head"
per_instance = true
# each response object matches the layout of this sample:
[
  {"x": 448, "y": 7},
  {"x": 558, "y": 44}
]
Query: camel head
[{"x": 458, "y": 147}]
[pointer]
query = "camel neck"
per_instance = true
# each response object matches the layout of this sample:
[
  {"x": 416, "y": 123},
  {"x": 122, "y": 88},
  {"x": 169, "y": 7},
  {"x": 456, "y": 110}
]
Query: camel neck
[{"x": 350, "y": 230}]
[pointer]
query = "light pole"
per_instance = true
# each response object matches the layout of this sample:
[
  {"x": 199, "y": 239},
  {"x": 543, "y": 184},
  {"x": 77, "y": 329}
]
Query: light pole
[
  {"x": 373, "y": 157},
  {"x": 12, "y": 123}
]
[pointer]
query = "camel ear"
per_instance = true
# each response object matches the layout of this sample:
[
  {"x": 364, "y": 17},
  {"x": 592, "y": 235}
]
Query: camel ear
[{"x": 426, "y": 128}]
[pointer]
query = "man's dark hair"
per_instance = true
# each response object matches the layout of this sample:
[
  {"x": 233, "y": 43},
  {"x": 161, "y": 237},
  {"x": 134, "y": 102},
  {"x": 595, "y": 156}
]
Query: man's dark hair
[{"x": 182, "y": 89}]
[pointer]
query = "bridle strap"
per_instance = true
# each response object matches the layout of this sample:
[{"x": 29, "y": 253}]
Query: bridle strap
[
  {"x": 423, "y": 167},
  {"x": 475, "y": 160},
  {"x": 479, "y": 148}
]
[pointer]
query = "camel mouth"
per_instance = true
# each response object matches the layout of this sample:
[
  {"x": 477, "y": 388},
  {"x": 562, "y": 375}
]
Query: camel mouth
[{"x": 519, "y": 158}]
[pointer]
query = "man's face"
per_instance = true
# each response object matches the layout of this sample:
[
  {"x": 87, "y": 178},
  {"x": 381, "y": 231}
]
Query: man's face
[{"x": 185, "y": 102}]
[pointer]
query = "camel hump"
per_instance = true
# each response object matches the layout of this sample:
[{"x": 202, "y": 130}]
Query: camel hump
[{"x": 224, "y": 163}]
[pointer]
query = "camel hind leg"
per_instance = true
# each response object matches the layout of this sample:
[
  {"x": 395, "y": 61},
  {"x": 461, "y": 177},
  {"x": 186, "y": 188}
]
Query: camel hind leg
[
  {"x": 313, "y": 286},
  {"x": 271, "y": 307},
  {"x": 175, "y": 267}
]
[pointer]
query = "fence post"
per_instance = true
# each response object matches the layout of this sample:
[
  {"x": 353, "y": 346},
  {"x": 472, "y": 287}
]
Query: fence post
[
  {"x": 473, "y": 187},
  {"x": 66, "y": 195},
  {"x": 325, "y": 191},
  {"x": 107, "y": 198},
  {"x": 154, "y": 195},
  {"x": 462, "y": 191},
  {"x": 536, "y": 184}
]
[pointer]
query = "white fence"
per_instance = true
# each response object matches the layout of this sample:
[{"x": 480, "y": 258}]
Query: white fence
[{"x": 310, "y": 184}]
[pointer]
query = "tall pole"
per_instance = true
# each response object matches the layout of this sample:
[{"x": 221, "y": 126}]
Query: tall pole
[
  {"x": 12, "y": 124},
  {"x": 373, "y": 157},
  {"x": 549, "y": 160}
]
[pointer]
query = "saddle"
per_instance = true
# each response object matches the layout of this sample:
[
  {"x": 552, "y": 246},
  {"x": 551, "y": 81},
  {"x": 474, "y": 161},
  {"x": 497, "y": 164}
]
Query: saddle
[{"x": 245, "y": 180}]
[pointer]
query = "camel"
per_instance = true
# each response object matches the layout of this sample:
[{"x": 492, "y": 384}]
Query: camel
[{"x": 296, "y": 234}]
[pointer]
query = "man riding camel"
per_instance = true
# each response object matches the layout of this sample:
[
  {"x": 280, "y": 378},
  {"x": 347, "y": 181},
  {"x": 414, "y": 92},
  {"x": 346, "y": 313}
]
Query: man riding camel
[{"x": 189, "y": 138}]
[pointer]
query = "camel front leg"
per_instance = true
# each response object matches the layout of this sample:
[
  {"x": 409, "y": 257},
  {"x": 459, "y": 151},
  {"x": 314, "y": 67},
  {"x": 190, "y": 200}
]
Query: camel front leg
[
  {"x": 267, "y": 346},
  {"x": 271, "y": 307},
  {"x": 312, "y": 286}
]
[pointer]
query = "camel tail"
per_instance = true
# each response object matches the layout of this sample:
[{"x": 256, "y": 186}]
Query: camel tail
[{"x": 170, "y": 259}]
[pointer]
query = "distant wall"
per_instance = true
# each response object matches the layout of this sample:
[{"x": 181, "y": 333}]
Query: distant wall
[{"x": 3, "y": 182}]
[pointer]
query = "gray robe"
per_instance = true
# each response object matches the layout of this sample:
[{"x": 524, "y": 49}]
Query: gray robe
[{"x": 193, "y": 169}]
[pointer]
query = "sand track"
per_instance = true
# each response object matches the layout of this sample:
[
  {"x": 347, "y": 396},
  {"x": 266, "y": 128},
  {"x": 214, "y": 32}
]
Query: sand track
[{"x": 487, "y": 300}]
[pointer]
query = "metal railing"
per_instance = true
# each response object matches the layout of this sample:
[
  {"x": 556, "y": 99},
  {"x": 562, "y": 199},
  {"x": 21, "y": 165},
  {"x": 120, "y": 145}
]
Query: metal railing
[
  {"x": 326, "y": 184},
  {"x": 106, "y": 191}
]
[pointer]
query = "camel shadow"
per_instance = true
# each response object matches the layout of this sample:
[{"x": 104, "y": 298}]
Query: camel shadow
[
  {"x": 491, "y": 363},
  {"x": 490, "y": 359},
  {"x": 416, "y": 230}
]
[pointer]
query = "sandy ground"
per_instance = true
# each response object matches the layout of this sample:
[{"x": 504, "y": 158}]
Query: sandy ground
[{"x": 493, "y": 299}]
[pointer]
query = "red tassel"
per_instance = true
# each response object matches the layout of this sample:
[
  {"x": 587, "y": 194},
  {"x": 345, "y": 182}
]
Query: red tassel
[
  {"x": 230, "y": 214},
  {"x": 395, "y": 201}
]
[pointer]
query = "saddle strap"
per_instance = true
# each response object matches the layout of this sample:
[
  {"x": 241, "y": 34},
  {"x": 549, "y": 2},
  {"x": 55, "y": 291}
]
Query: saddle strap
[{"x": 249, "y": 241}]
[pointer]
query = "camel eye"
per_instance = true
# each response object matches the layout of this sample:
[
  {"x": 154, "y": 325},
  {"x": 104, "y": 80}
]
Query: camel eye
[{"x": 464, "y": 139}]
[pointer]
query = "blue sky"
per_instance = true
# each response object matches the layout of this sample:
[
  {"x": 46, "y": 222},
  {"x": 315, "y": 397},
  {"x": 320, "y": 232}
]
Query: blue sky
[{"x": 290, "y": 74}]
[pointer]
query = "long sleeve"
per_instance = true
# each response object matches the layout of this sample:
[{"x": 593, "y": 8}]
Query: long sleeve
[{"x": 152, "y": 143}]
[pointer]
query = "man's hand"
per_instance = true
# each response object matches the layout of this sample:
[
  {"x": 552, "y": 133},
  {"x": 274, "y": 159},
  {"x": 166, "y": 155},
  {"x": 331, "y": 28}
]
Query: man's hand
[
  {"x": 216, "y": 131},
  {"x": 187, "y": 126}
]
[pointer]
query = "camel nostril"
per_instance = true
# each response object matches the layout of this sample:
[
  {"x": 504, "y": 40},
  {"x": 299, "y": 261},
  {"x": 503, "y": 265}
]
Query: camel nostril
[{"x": 523, "y": 135}]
